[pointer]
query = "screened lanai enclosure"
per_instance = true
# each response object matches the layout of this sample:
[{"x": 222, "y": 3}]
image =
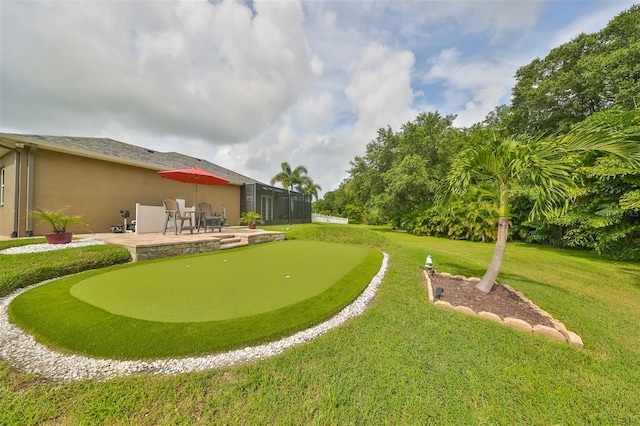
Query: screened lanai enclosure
[{"x": 275, "y": 205}]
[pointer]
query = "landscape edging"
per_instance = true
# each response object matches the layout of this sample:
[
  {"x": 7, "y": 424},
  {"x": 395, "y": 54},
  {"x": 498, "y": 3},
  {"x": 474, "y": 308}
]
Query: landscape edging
[{"x": 557, "y": 332}]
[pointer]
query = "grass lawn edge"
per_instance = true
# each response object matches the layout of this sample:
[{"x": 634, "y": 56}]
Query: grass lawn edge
[{"x": 144, "y": 340}]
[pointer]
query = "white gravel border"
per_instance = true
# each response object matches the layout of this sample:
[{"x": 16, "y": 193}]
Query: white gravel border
[
  {"x": 39, "y": 248},
  {"x": 23, "y": 352}
]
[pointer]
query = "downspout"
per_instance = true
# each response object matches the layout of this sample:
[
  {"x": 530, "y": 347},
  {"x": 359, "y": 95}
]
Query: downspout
[
  {"x": 30, "y": 166},
  {"x": 16, "y": 192},
  {"x": 16, "y": 210}
]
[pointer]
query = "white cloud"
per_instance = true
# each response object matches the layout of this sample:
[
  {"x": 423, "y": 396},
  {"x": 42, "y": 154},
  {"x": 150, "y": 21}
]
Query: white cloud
[
  {"x": 588, "y": 24},
  {"x": 249, "y": 84},
  {"x": 416, "y": 22},
  {"x": 496, "y": 17},
  {"x": 484, "y": 101},
  {"x": 316, "y": 112},
  {"x": 325, "y": 19},
  {"x": 191, "y": 69},
  {"x": 473, "y": 88},
  {"x": 380, "y": 91}
]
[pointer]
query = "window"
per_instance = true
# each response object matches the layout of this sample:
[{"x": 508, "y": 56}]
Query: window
[
  {"x": 1, "y": 187},
  {"x": 266, "y": 207}
]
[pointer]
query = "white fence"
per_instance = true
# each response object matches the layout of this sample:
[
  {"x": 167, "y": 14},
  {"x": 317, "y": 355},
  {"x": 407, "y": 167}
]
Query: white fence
[{"x": 322, "y": 218}]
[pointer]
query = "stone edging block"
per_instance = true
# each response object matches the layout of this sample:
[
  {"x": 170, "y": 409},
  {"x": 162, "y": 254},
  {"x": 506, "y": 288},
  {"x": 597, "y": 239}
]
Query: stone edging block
[
  {"x": 490, "y": 316},
  {"x": 557, "y": 332},
  {"x": 518, "y": 324}
]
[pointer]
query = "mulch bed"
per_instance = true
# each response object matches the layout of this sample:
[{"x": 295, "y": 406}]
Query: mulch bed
[{"x": 499, "y": 301}]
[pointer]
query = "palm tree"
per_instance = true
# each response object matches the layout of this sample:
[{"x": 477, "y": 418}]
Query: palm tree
[
  {"x": 309, "y": 187},
  {"x": 289, "y": 178},
  {"x": 292, "y": 179},
  {"x": 544, "y": 165}
]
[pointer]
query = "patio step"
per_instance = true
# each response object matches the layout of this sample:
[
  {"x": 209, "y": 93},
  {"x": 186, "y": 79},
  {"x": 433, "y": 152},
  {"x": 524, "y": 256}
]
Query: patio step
[{"x": 232, "y": 242}]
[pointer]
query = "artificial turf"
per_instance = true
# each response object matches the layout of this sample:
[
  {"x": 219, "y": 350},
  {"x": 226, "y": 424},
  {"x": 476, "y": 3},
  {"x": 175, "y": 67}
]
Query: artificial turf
[
  {"x": 66, "y": 323},
  {"x": 223, "y": 285}
]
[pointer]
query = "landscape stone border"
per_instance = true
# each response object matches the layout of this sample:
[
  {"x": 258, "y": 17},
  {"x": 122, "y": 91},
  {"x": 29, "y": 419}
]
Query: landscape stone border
[
  {"x": 25, "y": 354},
  {"x": 557, "y": 332}
]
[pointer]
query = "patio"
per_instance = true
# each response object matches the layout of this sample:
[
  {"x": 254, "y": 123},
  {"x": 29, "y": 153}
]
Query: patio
[{"x": 157, "y": 245}]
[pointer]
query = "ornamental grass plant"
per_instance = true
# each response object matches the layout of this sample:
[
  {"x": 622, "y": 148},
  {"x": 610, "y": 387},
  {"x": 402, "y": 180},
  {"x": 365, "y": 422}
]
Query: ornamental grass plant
[{"x": 57, "y": 220}]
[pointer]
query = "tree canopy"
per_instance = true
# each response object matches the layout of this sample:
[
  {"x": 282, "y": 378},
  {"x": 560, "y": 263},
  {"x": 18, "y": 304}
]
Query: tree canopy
[
  {"x": 594, "y": 78},
  {"x": 542, "y": 164},
  {"x": 591, "y": 73},
  {"x": 296, "y": 180}
]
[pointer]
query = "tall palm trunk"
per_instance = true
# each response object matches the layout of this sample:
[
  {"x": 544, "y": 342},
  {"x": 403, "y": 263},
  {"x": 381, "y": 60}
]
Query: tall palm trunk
[{"x": 486, "y": 284}]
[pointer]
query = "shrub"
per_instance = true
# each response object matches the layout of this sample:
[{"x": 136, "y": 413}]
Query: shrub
[{"x": 22, "y": 270}]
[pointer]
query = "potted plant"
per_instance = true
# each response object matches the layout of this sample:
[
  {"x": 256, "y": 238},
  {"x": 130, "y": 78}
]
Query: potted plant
[
  {"x": 250, "y": 218},
  {"x": 59, "y": 223}
]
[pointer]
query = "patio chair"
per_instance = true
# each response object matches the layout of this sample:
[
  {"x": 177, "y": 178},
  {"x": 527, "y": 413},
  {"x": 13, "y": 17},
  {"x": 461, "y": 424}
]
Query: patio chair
[
  {"x": 207, "y": 218},
  {"x": 172, "y": 212}
]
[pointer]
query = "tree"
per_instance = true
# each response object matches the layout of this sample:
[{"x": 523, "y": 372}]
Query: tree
[
  {"x": 543, "y": 164},
  {"x": 421, "y": 160},
  {"x": 289, "y": 178},
  {"x": 296, "y": 179},
  {"x": 341, "y": 202},
  {"x": 591, "y": 73},
  {"x": 402, "y": 170},
  {"x": 605, "y": 216},
  {"x": 472, "y": 216},
  {"x": 309, "y": 187}
]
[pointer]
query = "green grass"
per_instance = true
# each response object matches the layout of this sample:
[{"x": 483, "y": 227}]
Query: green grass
[
  {"x": 21, "y": 270},
  {"x": 221, "y": 285},
  {"x": 56, "y": 318},
  {"x": 404, "y": 361}
]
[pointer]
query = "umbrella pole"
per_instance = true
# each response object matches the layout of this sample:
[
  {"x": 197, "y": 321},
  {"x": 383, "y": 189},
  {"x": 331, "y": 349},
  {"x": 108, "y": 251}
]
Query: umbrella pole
[{"x": 196, "y": 216}]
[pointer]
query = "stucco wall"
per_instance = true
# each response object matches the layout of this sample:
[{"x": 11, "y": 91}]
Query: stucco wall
[{"x": 98, "y": 190}]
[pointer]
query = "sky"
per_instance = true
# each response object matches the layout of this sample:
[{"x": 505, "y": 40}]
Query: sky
[{"x": 250, "y": 84}]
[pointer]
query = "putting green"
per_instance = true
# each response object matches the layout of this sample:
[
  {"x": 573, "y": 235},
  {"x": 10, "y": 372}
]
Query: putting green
[
  {"x": 172, "y": 307},
  {"x": 223, "y": 285}
]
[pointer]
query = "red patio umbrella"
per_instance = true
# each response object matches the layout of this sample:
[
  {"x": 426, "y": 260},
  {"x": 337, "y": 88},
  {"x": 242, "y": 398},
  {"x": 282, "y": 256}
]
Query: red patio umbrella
[{"x": 194, "y": 175}]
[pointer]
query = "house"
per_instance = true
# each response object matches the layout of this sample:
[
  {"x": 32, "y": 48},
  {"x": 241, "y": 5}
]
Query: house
[{"x": 98, "y": 177}]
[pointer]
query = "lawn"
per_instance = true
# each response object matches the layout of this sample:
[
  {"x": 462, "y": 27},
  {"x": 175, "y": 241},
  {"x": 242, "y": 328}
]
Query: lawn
[
  {"x": 404, "y": 361},
  {"x": 198, "y": 304},
  {"x": 221, "y": 285},
  {"x": 21, "y": 270}
]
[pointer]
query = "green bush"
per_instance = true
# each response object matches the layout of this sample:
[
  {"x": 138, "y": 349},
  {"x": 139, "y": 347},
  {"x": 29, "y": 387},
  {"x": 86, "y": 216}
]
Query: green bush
[{"x": 21, "y": 270}]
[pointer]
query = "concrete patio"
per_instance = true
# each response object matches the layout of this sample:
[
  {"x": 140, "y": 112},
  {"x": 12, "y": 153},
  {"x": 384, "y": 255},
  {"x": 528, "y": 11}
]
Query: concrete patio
[{"x": 156, "y": 245}]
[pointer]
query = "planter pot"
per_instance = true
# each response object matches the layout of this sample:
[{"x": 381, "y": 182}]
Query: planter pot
[
  {"x": 252, "y": 226},
  {"x": 64, "y": 238}
]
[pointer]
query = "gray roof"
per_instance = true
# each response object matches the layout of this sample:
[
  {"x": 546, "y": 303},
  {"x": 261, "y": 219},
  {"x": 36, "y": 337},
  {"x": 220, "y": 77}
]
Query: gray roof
[{"x": 120, "y": 152}]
